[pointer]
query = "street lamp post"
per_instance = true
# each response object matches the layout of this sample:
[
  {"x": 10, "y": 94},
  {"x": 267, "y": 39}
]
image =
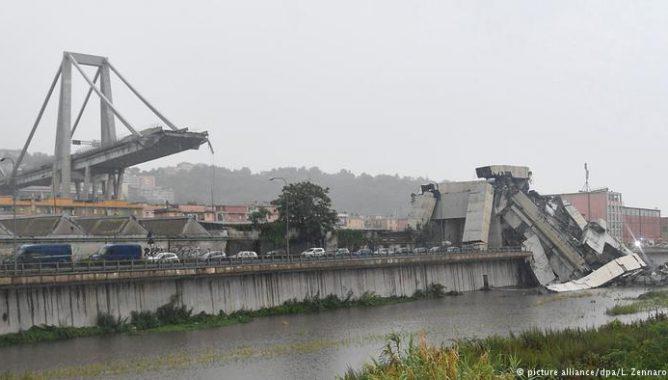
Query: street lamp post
[
  {"x": 13, "y": 184},
  {"x": 287, "y": 217}
]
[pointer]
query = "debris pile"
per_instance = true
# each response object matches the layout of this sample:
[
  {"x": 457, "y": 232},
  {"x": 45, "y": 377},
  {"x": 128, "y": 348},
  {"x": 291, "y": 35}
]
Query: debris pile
[{"x": 501, "y": 210}]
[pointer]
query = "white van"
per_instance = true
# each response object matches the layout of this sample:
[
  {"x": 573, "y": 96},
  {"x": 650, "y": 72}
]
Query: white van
[
  {"x": 314, "y": 252},
  {"x": 245, "y": 255}
]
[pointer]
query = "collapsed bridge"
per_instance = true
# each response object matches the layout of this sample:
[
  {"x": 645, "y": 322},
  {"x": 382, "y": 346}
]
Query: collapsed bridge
[
  {"x": 101, "y": 168},
  {"x": 500, "y": 210}
]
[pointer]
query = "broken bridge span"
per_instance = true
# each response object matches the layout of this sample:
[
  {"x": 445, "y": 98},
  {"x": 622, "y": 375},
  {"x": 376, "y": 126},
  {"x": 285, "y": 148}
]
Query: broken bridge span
[{"x": 101, "y": 168}]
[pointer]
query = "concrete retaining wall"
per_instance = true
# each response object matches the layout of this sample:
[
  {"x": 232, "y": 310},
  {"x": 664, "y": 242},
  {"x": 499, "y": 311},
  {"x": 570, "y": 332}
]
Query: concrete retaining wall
[{"x": 79, "y": 304}]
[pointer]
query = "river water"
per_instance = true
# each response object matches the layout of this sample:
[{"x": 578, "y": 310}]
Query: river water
[{"x": 309, "y": 346}]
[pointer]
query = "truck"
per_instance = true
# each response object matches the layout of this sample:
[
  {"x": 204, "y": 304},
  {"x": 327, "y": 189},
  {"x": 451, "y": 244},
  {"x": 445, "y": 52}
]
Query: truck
[
  {"x": 119, "y": 252},
  {"x": 44, "y": 254}
]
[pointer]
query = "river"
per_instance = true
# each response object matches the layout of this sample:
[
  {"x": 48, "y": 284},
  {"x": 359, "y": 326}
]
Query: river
[{"x": 310, "y": 346}]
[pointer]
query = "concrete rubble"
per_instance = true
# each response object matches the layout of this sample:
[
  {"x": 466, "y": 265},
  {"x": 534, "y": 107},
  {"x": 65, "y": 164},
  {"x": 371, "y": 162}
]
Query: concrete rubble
[{"x": 500, "y": 210}]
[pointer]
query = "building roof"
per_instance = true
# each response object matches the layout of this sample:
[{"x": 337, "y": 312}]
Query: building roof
[
  {"x": 4, "y": 231},
  {"x": 174, "y": 227},
  {"x": 47, "y": 225},
  {"x": 111, "y": 226},
  {"x": 592, "y": 191}
]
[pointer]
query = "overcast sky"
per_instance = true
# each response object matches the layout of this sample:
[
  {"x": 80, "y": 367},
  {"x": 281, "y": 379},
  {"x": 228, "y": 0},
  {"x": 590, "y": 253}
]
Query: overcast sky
[{"x": 417, "y": 88}]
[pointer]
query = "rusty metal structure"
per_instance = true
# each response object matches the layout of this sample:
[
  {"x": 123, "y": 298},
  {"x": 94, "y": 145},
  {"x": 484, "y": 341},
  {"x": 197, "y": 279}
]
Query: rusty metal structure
[{"x": 101, "y": 168}]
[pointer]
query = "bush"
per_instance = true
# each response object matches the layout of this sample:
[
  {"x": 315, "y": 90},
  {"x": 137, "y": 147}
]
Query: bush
[
  {"x": 170, "y": 313},
  {"x": 109, "y": 323},
  {"x": 144, "y": 320},
  {"x": 435, "y": 290},
  {"x": 615, "y": 345},
  {"x": 176, "y": 317},
  {"x": 369, "y": 299}
]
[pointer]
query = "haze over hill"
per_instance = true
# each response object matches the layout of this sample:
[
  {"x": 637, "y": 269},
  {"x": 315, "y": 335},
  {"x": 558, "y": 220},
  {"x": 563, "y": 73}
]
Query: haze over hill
[{"x": 363, "y": 194}]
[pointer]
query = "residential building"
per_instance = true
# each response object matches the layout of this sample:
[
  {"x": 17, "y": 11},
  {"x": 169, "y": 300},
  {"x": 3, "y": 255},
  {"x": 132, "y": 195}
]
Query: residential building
[
  {"x": 228, "y": 214},
  {"x": 342, "y": 221},
  {"x": 69, "y": 206},
  {"x": 642, "y": 224},
  {"x": 148, "y": 210},
  {"x": 143, "y": 188},
  {"x": 151, "y": 195},
  {"x": 625, "y": 223},
  {"x": 385, "y": 223},
  {"x": 600, "y": 204},
  {"x": 197, "y": 212},
  {"x": 273, "y": 210},
  {"x": 355, "y": 222},
  {"x": 233, "y": 214}
]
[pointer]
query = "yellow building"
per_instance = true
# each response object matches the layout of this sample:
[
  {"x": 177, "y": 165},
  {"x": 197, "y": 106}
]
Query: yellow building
[{"x": 70, "y": 207}]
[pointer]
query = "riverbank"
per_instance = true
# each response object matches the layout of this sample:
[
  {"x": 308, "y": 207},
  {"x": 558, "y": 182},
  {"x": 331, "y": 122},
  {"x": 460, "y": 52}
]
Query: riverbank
[
  {"x": 649, "y": 301},
  {"x": 615, "y": 346},
  {"x": 311, "y": 345},
  {"x": 173, "y": 317}
]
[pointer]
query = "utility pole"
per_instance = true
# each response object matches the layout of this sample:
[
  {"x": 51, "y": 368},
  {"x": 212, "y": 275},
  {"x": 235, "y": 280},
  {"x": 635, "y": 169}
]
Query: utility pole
[
  {"x": 287, "y": 217},
  {"x": 588, "y": 190},
  {"x": 213, "y": 184},
  {"x": 640, "y": 223},
  {"x": 13, "y": 184}
]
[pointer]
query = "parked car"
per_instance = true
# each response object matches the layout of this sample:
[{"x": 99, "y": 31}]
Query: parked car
[
  {"x": 44, "y": 254},
  {"x": 342, "y": 252},
  {"x": 454, "y": 250},
  {"x": 164, "y": 257},
  {"x": 275, "y": 252},
  {"x": 471, "y": 248},
  {"x": 245, "y": 255},
  {"x": 313, "y": 252},
  {"x": 212, "y": 255},
  {"x": 381, "y": 251},
  {"x": 119, "y": 252},
  {"x": 363, "y": 252},
  {"x": 435, "y": 249},
  {"x": 404, "y": 250},
  {"x": 420, "y": 250}
]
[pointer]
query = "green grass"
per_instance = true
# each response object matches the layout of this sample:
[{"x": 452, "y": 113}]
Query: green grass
[
  {"x": 615, "y": 345},
  {"x": 173, "y": 316},
  {"x": 654, "y": 300}
]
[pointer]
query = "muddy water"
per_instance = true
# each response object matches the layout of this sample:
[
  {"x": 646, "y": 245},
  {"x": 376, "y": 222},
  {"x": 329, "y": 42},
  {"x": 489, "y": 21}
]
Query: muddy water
[{"x": 313, "y": 345}]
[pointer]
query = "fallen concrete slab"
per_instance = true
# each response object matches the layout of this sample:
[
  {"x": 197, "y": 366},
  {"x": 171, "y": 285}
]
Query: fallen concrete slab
[{"x": 616, "y": 268}]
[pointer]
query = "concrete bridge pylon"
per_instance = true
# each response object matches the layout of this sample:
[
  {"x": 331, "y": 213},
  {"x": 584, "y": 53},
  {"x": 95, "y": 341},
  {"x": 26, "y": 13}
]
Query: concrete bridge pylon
[{"x": 103, "y": 166}]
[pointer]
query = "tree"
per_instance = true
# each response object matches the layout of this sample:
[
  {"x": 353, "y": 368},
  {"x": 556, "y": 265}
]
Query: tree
[
  {"x": 259, "y": 216},
  {"x": 310, "y": 212},
  {"x": 353, "y": 239}
]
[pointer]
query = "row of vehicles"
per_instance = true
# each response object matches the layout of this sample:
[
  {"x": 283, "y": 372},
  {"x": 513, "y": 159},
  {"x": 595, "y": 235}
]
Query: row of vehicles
[
  {"x": 62, "y": 253},
  {"x": 319, "y": 252}
]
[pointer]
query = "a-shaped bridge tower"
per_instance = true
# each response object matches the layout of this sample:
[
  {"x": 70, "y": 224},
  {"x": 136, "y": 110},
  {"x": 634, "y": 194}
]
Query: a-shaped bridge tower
[{"x": 98, "y": 170}]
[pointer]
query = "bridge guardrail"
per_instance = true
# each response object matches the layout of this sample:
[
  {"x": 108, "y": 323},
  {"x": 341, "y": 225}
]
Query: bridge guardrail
[{"x": 23, "y": 269}]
